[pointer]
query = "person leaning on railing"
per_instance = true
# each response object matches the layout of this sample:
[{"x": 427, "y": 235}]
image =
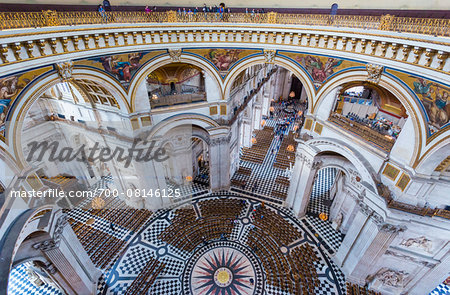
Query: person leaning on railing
[{"x": 102, "y": 13}]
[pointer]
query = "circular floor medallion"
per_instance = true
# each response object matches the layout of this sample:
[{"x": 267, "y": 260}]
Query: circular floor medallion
[{"x": 223, "y": 267}]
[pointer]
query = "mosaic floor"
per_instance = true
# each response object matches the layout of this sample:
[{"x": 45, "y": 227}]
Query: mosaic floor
[{"x": 218, "y": 265}]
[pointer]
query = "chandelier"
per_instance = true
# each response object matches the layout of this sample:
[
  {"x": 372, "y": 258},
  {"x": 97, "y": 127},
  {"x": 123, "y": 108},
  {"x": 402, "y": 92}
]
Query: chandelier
[{"x": 290, "y": 148}]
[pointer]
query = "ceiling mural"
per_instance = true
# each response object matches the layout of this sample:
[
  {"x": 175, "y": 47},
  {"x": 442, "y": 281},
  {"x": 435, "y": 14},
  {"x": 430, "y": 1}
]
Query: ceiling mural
[
  {"x": 174, "y": 72},
  {"x": 10, "y": 88},
  {"x": 121, "y": 66},
  {"x": 223, "y": 59},
  {"x": 320, "y": 68},
  {"x": 433, "y": 96}
]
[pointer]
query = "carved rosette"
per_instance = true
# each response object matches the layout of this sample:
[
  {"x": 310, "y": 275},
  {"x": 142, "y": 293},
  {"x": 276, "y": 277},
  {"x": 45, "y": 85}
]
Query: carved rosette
[
  {"x": 374, "y": 73},
  {"x": 175, "y": 54},
  {"x": 269, "y": 55},
  {"x": 65, "y": 70}
]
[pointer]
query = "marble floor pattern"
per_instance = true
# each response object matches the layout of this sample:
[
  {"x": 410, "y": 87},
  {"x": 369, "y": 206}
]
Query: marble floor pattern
[{"x": 146, "y": 245}]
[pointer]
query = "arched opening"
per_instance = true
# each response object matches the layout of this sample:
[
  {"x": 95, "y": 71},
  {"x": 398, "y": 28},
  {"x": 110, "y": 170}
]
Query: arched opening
[
  {"x": 321, "y": 214},
  {"x": 271, "y": 102},
  {"x": 187, "y": 167},
  {"x": 59, "y": 129},
  {"x": 176, "y": 83},
  {"x": 200, "y": 162},
  {"x": 371, "y": 112}
]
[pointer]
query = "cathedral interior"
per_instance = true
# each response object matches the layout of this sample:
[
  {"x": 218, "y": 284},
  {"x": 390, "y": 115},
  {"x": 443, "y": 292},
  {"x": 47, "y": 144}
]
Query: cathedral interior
[{"x": 224, "y": 152}]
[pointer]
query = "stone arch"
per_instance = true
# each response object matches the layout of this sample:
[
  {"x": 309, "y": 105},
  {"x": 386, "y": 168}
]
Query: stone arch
[
  {"x": 18, "y": 230},
  {"x": 284, "y": 62},
  {"x": 350, "y": 154},
  {"x": 27, "y": 98},
  {"x": 186, "y": 119},
  {"x": 156, "y": 63},
  {"x": 400, "y": 91},
  {"x": 433, "y": 157}
]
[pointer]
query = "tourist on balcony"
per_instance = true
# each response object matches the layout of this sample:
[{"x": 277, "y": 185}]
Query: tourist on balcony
[
  {"x": 147, "y": 10},
  {"x": 205, "y": 10},
  {"x": 103, "y": 13},
  {"x": 195, "y": 13}
]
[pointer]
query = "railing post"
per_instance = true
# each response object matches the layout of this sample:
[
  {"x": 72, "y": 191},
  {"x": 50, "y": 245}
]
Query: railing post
[
  {"x": 386, "y": 22},
  {"x": 51, "y": 18},
  {"x": 272, "y": 17},
  {"x": 171, "y": 16}
]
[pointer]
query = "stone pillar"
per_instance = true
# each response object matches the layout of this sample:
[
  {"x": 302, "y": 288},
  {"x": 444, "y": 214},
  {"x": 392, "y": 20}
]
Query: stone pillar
[
  {"x": 303, "y": 95},
  {"x": 219, "y": 165},
  {"x": 366, "y": 241},
  {"x": 266, "y": 103},
  {"x": 327, "y": 104},
  {"x": 257, "y": 117},
  {"x": 151, "y": 178},
  {"x": 116, "y": 176},
  {"x": 301, "y": 182},
  {"x": 71, "y": 268},
  {"x": 287, "y": 85}
]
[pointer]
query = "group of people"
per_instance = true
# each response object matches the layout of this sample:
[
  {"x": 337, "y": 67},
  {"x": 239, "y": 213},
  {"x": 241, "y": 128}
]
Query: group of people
[{"x": 380, "y": 125}]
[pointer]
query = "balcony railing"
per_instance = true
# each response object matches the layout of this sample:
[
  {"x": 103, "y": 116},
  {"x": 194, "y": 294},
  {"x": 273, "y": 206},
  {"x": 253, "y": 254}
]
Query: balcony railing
[
  {"x": 386, "y": 194},
  {"x": 428, "y": 26},
  {"x": 176, "y": 99},
  {"x": 372, "y": 136}
]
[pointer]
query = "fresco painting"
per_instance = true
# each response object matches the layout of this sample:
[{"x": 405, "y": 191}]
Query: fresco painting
[
  {"x": 121, "y": 66},
  {"x": 320, "y": 68},
  {"x": 10, "y": 88},
  {"x": 433, "y": 96},
  {"x": 223, "y": 59}
]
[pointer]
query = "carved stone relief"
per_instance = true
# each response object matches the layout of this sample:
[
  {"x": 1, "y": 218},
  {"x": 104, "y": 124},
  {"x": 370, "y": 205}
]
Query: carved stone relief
[
  {"x": 420, "y": 242},
  {"x": 390, "y": 277},
  {"x": 65, "y": 70},
  {"x": 374, "y": 73},
  {"x": 175, "y": 54},
  {"x": 269, "y": 55}
]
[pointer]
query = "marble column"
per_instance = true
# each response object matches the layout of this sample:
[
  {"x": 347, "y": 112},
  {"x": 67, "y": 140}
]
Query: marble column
[
  {"x": 303, "y": 96},
  {"x": 219, "y": 167},
  {"x": 302, "y": 181}
]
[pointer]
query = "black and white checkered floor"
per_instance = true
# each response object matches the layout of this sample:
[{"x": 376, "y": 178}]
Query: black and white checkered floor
[
  {"x": 262, "y": 179},
  {"x": 442, "y": 289},
  {"x": 320, "y": 194},
  {"x": 145, "y": 245}
]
